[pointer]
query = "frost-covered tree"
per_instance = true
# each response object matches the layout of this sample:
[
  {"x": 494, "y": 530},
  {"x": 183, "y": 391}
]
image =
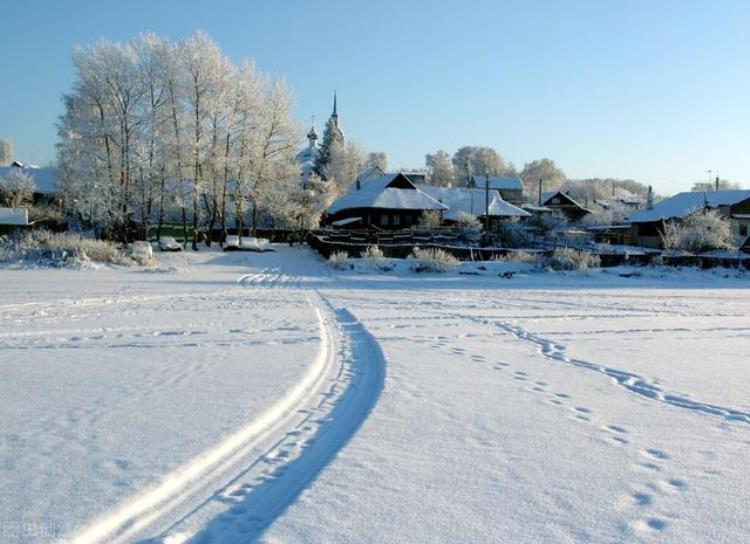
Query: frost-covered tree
[
  {"x": 703, "y": 230},
  {"x": 16, "y": 189},
  {"x": 331, "y": 145},
  {"x": 722, "y": 185},
  {"x": 545, "y": 169},
  {"x": 6, "y": 152},
  {"x": 345, "y": 163},
  {"x": 440, "y": 169},
  {"x": 474, "y": 160},
  {"x": 377, "y": 158},
  {"x": 158, "y": 131}
]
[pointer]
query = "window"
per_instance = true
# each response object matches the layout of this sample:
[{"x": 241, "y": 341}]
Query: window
[
  {"x": 383, "y": 219},
  {"x": 743, "y": 229},
  {"x": 396, "y": 220}
]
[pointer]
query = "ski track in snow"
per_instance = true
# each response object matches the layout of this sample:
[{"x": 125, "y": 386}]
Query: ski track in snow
[
  {"x": 628, "y": 380},
  {"x": 261, "y": 469}
]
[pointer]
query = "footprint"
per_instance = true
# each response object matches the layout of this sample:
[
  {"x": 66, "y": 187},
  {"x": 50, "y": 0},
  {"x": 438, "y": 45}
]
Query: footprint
[
  {"x": 642, "y": 499},
  {"x": 562, "y": 395},
  {"x": 617, "y": 429},
  {"x": 656, "y": 454},
  {"x": 582, "y": 410}
]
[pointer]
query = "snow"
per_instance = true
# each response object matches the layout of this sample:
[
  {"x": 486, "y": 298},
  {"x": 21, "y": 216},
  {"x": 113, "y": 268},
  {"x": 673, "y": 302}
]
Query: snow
[
  {"x": 467, "y": 200},
  {"x": 376, "y": 193},
  {"x": 241, "y": 396},
  {"x": 683, "y": 204}
]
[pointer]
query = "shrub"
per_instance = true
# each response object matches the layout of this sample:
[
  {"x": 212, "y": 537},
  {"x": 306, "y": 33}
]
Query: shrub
[
  {"x": 470, "y": 227},
  {"x": 700, "y": 231},
  {"x": 433, "y": 260},
  {"x": 564, "y": 258},
  {"x": 519, "y": 256},
  {"x": 57, "y": 249},
  {"x": 430, "y": 219},
  {"x": 373, "y": 254},
  {"x": 340, "y": 260},
  {"x": 513, "y": 234}
]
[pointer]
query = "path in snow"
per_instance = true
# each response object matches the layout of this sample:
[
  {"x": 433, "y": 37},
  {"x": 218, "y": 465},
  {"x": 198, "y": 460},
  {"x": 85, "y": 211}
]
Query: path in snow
[
  {"x": 629, "y": 380},
  {"x": 236, "y": 490}
]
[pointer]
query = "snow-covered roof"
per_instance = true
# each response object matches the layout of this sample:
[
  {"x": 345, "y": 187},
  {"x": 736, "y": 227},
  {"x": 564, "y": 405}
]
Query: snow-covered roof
[
  {"x": 346, "y": 221},
  {"x": 45, "y": 179},
  {"x": 497, "y": 208},
  {"x": 307, "y": 155},
  {"x": 683, "y": 204},
  {"x": 471, "y": 201},
  {"x": 499, "y": 182},
  {"x": 14, "y": 216},
  {"x": 382, "y": 193}
]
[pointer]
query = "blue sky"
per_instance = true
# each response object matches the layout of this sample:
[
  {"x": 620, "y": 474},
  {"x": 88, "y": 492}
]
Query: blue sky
[{"x": 658, "y": 91}]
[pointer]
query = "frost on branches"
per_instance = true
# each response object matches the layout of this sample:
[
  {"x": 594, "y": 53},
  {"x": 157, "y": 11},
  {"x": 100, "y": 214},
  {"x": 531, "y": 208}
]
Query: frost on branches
[
  {"x": 703, "y": 230},
  {"x": 155, "y": 132}
]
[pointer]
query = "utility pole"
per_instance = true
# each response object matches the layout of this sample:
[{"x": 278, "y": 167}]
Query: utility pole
[
  {"x": 540, "y": 192},
  {"x": 487, "y": 202}
]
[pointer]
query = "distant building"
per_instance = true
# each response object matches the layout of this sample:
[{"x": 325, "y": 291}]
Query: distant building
[
  {"x": 12, "y": 219},
  {"x": 306, "y": 158},
  {"x": 509, "y": 187},
  {"x": 388, "y": 202},
  {"x": 466, "y": 200},
  {"x": 46, "y": 188},
  {"x": 565, "y": 205},
  {"x": 648, "y": 225}
]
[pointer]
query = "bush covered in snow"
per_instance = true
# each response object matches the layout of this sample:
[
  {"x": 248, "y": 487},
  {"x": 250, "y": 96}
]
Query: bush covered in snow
[
  {"x": 430, "y": 219},
  {"x": 564, "y": 258},
  {"x": 433, "y": 260},
  {"x": 340, "y": 260},
  {"x": 373, "y": 254},
  {"x": 513, "y": 234},
  {"x": 58, "y": 249},
  {"x": 470, "y": 227},
  {"x": 701, "y": 231},
  {"x": 518, "y": 256}
]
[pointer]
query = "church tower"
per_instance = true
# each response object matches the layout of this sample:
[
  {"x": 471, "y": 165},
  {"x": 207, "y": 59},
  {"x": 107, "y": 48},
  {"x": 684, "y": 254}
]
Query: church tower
[{"x": 337, "y": 134}]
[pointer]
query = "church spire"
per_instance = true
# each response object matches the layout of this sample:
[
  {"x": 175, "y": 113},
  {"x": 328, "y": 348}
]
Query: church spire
[{"x": 334, "y": 114}]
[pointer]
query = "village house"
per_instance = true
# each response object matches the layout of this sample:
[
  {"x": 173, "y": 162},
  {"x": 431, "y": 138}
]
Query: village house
[
  {"x": 648, "y": 225},
  {"x": 510, "y": 188},
  {"x": 563, "y": 204},
  {"x": 389, "y": 202},
  {"x": 45, "y": 181},
  {"x": 476, "y": 202}
]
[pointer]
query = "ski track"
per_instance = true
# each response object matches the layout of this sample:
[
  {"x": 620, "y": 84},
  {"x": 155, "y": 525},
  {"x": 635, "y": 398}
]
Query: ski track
[
  {"x": 260, "y": 470},
  {"x": 628, "y": 380}
]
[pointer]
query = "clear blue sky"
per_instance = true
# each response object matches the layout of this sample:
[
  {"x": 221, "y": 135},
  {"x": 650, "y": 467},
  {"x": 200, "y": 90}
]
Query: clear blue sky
[{"x": 654, "y": 90}]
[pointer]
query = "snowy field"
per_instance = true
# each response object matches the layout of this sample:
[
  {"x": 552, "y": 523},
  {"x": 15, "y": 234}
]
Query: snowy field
[{"x": 239, "y": 397}]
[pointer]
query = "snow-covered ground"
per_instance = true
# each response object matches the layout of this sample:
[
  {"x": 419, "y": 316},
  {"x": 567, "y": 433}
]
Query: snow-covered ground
[{"x": 242, "y": 397}]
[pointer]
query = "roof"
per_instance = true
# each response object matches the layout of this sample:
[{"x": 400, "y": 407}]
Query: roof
[
  {"x": 45, "y": 179},
  {"x": 499, "y": 182},
  {"x": 390, "y": 192},
  {"x": 14, "y": 216},
  {"x": 472, "y": 201},
  {"x": 547, "y": 196},
  {"x": 683, "y": 204}
]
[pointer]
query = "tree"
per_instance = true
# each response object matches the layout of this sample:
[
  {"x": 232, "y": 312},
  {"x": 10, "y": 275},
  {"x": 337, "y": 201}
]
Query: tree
[
  {"x": 478, "y": 161},
  {"x": 707, "y": 187},
  {"x": 440, "y": 169},
  {"x": 546, "y": 170},
  {"x": 6, "y": 152},
  {"x": 377, "y": 158},
  {"x": 17, "y": 189},
  {"x": 332, "y": 144},
  {"x": 344, "y": 165},
  {"x": 703, "y": 230}
]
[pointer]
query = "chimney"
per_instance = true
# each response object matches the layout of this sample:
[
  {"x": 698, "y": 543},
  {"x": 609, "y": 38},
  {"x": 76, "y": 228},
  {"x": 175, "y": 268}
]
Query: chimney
[
  {"x": 717, "y": 183},
  {"x": 359, "y": 184},
  {"x": 650, "y": 199},
  {"x": 540, "y": 192}
]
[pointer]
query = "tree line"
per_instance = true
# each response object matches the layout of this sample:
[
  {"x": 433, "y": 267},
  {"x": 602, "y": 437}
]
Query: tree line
[{"x": 155, "y": 131}]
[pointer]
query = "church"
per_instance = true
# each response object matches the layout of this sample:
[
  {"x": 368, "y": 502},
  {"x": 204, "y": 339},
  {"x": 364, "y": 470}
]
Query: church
[{"x": 307, "y": 157}]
